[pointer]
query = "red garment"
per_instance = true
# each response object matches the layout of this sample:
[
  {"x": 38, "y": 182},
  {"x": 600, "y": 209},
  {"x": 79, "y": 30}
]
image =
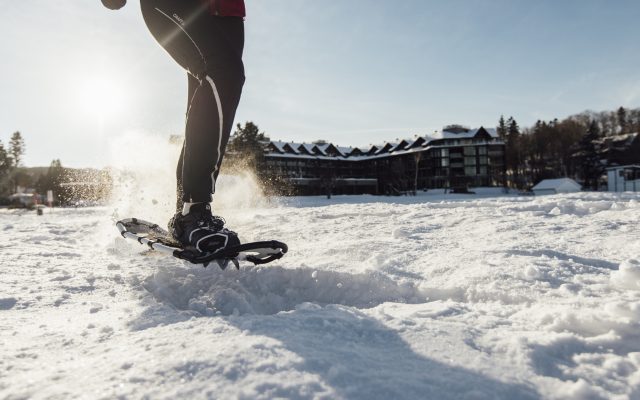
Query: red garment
[{"x": 225, "y": 8}]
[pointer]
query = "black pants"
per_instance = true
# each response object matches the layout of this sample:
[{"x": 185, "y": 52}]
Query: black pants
[{"x": 210, "y": 49}]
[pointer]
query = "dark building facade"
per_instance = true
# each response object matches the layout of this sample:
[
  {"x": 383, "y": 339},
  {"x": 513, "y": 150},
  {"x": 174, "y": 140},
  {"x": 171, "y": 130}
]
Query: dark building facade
[
  {"x": 620, "y": 149},
  {"x": 455, "y": 157}
]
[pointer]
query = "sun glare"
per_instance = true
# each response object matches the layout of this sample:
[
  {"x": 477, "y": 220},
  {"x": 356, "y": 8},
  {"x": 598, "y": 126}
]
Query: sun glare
[{"x": 102, "y": 98}]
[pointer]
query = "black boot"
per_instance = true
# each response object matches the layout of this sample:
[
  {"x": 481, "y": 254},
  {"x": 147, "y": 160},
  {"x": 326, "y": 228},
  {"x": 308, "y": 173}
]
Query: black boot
[{"x": 201, "y": 231}]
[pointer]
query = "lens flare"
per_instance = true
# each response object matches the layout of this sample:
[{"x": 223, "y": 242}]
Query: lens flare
[{"x": 102, "y": 98}]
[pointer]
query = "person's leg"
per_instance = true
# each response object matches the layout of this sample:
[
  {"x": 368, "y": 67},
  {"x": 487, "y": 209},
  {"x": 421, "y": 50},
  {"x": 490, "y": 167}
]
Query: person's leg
[
  {"x": 193, "y": 83},
  {"x": 210, "y": 48}
]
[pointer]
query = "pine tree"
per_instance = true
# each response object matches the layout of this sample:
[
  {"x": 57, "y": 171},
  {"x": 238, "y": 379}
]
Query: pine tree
[
  {"x": 502, "y": 128},
  {"x": 5, "y": 169},
  {"x": 16, "y": 149},
  {"x": 622, "y": 120},
  {"x": 56, "y": 173},
  {"x": 245, "y": 148},
  {"x": 52, "y": 180},
  {"x": 590, "y": 163},
  {"x": 5, "y": 161},
  {"x": 513, "y": 149}
]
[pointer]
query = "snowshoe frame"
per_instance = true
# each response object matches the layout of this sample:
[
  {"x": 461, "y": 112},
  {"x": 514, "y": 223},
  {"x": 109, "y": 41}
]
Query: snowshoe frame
[{"x": 158, "y": 239}]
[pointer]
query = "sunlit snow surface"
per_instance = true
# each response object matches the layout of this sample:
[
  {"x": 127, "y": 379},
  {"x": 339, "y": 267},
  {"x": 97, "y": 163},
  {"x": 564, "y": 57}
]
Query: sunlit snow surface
[{"x": 434, "y": 296}]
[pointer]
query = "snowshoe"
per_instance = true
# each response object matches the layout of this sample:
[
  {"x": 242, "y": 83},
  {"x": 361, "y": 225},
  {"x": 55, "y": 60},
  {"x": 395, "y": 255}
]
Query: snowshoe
[{"x": 160, "y": 240}]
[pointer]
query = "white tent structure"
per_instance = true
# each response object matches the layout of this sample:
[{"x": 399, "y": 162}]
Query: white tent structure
[{"x": 553, "y": 186}]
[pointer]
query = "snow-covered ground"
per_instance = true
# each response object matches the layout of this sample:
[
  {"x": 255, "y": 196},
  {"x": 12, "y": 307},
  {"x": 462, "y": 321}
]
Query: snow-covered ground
[{"x": 483, "y": 296}]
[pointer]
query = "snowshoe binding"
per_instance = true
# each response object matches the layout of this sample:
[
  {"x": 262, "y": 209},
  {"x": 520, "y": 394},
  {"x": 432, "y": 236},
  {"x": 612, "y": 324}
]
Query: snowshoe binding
[
  {"x": 201, "y": 231},
  {"x": 200, "y": 238}
]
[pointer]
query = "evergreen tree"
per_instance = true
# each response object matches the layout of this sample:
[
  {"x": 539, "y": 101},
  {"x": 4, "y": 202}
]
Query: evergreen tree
[
  {"x": 513, "y": 149},
  {"x": 622, "y": 120},
  {"x": 590, "y": 163},
  {"x": 52, "y": 180},
  {"x": 5, "y": 161},
  {"x": 245, "y": 148},
  {"x": 502, "y": 128},
  {"x": 5, "y": 169},
  {"x": 22, "y": 178},
  {"x": 16, "y": 149}
]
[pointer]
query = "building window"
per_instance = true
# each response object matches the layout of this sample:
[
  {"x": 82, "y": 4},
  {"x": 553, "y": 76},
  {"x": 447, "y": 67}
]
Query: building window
[
  {"x": 621, "y": 173},
  {"x": 445, "y": 152},
  {"x": 482, "y": 160},
  {"x": 469, "y": 161},
  {"x": 469, "y": 151},
  {"x": 482, "y": 151},
  {"x": 445, "y": 162},
  {"x": 483, "y": 170},
  {"x": 469, "y": 170}
]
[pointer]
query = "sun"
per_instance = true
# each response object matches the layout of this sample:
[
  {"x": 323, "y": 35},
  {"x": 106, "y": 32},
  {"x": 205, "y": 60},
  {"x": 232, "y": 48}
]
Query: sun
[{"x": 102, "y": 98}]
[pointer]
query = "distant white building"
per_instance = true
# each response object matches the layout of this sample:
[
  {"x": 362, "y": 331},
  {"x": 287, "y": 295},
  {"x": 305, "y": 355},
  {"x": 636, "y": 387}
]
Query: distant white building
[
  {"x": 25, "y": 198},
  {"x": 624, "y": 178},
  {"x": 554, "y": 186}
]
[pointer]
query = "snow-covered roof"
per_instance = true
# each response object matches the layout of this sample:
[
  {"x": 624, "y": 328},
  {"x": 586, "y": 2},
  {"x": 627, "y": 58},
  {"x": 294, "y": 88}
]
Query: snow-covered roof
[
  {"x": 462, "y": 135},
  {"x": 549, "y": 184},
  {"x": 345, "y": 151},
  {"x": 322, "y": 148},
  {"x": 295, "y": 147},
  {"x": 395, "y": 147},
  {"x": 405, "y": 143},
  {"x": 624, "y": 166},
  {"x": 307, "y": 146},
  {"x": 279, "y": 145},
  {"x": 366, "y": 149},
  {"x": 386, "y": 147},
  {"x": 623, "y": 140}
]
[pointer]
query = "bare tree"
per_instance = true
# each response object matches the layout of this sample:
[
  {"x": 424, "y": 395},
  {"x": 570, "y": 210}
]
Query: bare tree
[{"x": 416, "y": 157}]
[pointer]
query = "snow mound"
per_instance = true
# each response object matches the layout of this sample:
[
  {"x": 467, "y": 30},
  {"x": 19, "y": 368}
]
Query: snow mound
[
  {"x": 270, "y": 290},
  {"x": 628, "y": 276},
  {"x": 400, "y": 233}
]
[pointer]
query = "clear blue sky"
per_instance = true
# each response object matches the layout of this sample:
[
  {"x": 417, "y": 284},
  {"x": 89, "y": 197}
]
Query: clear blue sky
[{"x": 352, "y": 72}]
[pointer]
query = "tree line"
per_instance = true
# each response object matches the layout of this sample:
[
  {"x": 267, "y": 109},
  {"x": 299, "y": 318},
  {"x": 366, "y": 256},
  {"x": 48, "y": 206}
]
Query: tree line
[
  {"x": 570, "y": 148},
  {"x": 14, "y": 175},
  {"x": 11, "y": 174}
]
